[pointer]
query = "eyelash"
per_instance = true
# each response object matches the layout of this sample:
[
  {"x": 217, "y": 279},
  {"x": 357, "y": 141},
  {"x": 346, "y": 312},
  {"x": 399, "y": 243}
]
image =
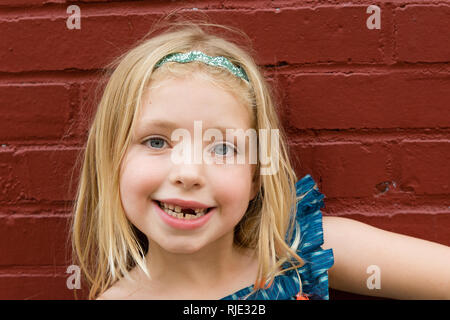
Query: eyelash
[
  {"x": 226, "y": 144},
  {"x": 212, "y": 148},
  {"x": 152, "y": 139}
]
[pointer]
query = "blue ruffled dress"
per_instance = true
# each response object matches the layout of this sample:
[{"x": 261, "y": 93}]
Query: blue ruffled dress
[{"x": 314, "y": 273}]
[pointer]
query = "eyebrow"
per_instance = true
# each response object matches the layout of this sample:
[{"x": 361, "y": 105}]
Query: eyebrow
[
  {"x": 164, "y": 124},
  {"x": 167, "y": 124}
]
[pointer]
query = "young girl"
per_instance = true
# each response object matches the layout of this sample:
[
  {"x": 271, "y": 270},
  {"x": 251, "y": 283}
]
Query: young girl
[{"x": 147, "y": 226}]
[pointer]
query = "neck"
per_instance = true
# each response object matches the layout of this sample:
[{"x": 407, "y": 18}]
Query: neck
[{"x": 220, "y": 266}]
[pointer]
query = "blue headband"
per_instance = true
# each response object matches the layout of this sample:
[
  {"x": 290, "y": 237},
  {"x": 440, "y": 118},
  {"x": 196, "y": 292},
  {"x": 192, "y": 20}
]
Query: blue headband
[{"x": 218, "y": 61}]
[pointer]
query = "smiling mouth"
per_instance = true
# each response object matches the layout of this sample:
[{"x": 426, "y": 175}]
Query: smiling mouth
[{"x": 183, "y": 213}]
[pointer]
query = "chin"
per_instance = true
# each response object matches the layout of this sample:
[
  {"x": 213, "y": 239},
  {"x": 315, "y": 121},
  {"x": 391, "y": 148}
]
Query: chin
[{"x": 182, "y": 247}]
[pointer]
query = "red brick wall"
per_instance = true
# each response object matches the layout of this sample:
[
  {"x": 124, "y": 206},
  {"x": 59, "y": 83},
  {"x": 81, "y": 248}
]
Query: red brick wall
[{"x": 366, "y": 111}]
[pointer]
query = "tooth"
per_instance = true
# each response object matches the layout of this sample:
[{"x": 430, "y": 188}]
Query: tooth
[
  {"x": 164, "y": 204},
  {"x": 171, "y": 206},
  {"x": 177, "y": 209},
  {"x": 186, "y": 216}
]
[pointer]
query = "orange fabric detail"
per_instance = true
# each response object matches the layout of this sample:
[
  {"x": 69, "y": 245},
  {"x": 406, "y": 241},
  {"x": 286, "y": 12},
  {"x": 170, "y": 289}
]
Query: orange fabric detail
[{"x": 302, "y": 297}]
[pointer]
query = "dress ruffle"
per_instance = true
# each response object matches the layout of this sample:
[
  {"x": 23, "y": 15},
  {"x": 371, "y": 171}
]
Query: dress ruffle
[{"x": 314, "y": 273}]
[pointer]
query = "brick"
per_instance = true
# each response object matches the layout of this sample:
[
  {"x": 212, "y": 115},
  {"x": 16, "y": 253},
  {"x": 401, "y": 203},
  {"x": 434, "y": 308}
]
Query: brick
[
  {"x": 348, "y": 169},
  {"x": 52, "y": 166},
  {"x": 389, "y": 100},
  {"x": 38, "y": 175},
  {"x": 310, "y": 35},
  {"x": 412, "y": 169},
  {"x": 442, "y": 228},
  {"x": 292, "y": 34},
  {"x": 100, "y": 39},
  {"x": 425, "y": 226},
  {"x": 422, "y": 33},
  {"x": 24, "y": 3},
  {"x": 239, "y": 4},
  {"x": 35, "y": 111},
  {"x": 38, "y": 286},
  {"x": 422, "y": 167},
  {"x": 34, "y": 240},
  {"x": 9, "y": 186}
]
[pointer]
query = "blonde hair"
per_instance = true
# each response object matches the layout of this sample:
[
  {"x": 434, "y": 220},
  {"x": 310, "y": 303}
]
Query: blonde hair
[{"x": 105, "y": 243}]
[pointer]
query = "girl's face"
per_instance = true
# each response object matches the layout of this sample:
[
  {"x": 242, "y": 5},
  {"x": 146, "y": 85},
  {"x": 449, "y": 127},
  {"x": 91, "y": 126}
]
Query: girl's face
[{"x": 150, "y": 178}]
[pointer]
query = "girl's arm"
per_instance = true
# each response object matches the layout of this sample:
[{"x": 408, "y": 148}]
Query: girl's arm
[{"x": 409, "y": 268}]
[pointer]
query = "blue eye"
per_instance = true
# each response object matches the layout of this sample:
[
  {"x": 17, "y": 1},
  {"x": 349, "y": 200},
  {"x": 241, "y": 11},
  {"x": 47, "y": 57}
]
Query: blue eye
[
  {"x": 223, "y": 149},
  {"x": 156, "y": 143}
]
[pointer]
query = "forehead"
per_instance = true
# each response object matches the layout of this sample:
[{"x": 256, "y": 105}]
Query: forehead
[{"x": 182, "y": 101}]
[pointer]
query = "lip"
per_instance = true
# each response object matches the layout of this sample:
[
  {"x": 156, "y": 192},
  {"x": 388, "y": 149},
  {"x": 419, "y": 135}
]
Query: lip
[
  {"x": 185, "y": 204},
  {"x": 182, "y": 223}
]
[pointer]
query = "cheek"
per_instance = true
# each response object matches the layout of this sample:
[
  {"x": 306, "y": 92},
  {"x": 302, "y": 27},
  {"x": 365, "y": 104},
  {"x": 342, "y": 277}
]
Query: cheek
[
  {"x": 233, "y": 186},
  {"x": 140, "y": 177}
]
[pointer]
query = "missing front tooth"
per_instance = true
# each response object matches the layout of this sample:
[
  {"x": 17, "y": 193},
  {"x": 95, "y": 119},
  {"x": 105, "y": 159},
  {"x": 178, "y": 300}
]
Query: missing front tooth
[{"x": 188, "y": 211}]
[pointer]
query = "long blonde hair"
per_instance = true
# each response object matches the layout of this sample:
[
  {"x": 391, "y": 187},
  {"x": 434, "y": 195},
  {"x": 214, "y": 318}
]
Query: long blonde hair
[{"x": 105, "y": 244}]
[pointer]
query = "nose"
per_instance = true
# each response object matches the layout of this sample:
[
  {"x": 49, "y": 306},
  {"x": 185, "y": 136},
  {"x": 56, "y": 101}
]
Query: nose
[{"x": 187, "y": 176}]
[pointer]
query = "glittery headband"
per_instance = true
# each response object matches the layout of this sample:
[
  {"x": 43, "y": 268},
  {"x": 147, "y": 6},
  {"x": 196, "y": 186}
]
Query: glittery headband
[{"x": 218, "y": 61}]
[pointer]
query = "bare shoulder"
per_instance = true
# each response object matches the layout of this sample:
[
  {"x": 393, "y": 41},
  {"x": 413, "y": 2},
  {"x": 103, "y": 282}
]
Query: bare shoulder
[
  {"x": 122, "y": 289},
  {"x": 132, "y": 288},
  {"x": 118, "y": 291}
]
